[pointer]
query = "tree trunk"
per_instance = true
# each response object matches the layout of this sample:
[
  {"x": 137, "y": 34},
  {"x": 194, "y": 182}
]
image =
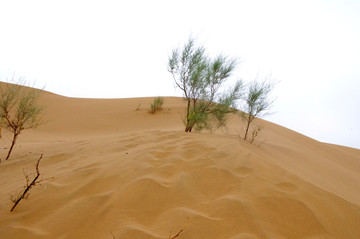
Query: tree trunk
[
  {"x": 12, "y": 145},
  {"x": 247, "y": 127},
  {"x": 188, "y": 127}
]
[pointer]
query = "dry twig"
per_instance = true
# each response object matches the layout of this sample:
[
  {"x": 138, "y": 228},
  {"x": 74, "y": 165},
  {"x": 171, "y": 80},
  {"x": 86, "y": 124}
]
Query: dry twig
[
  {"x": 178, "y": 234},
  {"x": 17, "y": 199}
]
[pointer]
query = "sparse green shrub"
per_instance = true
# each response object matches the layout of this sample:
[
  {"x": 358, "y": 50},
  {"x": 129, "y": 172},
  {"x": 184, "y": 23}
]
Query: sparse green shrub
[
  {"x": 19, "y": 109},
  {"x": 157, "y": 105},
  {"x": 202, "y": 81},
  {"x": 257, "y": 103}
]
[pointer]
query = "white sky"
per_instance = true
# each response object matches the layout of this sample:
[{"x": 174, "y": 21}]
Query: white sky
[{"x": 118, "y": 49}]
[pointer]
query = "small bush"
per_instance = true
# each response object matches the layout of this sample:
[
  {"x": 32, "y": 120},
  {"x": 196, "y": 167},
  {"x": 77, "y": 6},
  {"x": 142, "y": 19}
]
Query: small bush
[
  {"x": 157, "y": 105},
  {"x": 257, "y": 103},
  {"x": 19, "y": 109}
]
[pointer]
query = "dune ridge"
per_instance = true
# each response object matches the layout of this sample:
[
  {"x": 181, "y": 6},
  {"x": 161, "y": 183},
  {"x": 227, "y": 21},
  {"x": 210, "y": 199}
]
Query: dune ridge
[{"x": 117, "y": 170}]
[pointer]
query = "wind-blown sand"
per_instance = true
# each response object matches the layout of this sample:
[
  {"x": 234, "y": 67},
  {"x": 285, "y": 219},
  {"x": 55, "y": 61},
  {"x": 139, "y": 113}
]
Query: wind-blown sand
[{"x": 123, "y": 173}]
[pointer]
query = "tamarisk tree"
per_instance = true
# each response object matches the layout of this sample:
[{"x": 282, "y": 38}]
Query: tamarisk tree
[
  {"x": 19, "y": 109},
  {"x": 202, "y": 80},
  {"x": 257, "y": 102}
]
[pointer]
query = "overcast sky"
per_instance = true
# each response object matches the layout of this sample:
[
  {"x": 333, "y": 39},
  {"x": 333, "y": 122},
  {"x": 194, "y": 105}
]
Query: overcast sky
[{"x": 118, "y": 49}]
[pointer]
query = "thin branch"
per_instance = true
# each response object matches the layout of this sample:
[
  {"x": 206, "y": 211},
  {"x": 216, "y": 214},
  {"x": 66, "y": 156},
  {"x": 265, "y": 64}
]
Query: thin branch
[
  {"x": 178, "y": 234},
  {"x": 29, "y": 186}
]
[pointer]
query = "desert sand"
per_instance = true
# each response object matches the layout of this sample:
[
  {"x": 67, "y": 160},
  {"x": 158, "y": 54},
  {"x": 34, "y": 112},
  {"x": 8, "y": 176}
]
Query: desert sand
[{"x": 113, "y": 170}]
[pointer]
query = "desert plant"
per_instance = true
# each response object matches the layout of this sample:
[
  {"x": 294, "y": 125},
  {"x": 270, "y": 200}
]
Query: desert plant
[
  {"x": 19, "y": 109},
  {"x": 257, "y": 102},
  {"x": 16, "y": 198},
  {"x": 201, "y": 80},
  {"x": 156, "y": 105}
]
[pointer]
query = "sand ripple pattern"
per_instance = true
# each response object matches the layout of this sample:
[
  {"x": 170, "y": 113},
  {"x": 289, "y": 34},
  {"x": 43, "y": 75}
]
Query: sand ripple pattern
[{"x": 145, "y": 185}]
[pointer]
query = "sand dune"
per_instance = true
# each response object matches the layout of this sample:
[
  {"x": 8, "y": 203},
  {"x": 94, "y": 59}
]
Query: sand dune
[{"x": 119, "y": 171}]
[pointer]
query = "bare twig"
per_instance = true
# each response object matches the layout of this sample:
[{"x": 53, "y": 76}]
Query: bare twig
[
  {"x": 178, "y": 234},
  {"x": 18, "y": 198},
  {"x": 255, "y": 133}
]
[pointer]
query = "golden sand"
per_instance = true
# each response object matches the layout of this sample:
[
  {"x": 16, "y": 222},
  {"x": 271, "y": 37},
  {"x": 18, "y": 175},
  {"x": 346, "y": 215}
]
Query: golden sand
[{"x": 121, "y": 172}]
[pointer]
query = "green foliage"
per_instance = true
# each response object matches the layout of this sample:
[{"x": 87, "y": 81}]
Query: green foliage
[
  {"x": 157, "y": 105},
  {"x": 19, "y": 109},
  {"x": 201, "y": 79},
  {"x": 257, "y": 103}
]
